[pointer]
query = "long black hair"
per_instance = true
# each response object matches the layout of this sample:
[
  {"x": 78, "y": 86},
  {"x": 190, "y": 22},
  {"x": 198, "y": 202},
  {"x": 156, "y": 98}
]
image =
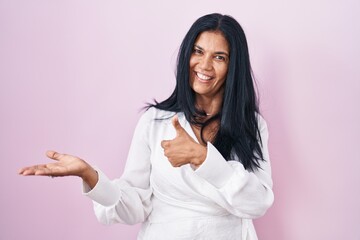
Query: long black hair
[{"x": 238, "y": 131}]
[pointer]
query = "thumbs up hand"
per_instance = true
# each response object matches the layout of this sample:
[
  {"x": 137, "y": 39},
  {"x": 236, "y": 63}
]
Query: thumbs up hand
[{"x": 183, "y": 149}]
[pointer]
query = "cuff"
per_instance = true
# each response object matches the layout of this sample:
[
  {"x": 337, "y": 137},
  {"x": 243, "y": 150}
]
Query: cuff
[
  {"x": 215, "y": 169},
  {"x": 105, "y": 191}
]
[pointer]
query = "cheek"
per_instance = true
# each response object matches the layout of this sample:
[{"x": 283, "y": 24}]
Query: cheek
[
  {"x": 191, "y": 78},
  {"x": 192, "y": 62},
  {"x": 222, "y": 72}
]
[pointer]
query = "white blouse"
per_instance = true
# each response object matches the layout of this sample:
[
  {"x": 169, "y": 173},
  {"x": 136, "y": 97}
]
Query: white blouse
[{"x": 215, "y": 201}]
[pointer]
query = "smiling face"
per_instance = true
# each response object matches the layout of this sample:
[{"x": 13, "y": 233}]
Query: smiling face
[{"x": 209, "y": 64}]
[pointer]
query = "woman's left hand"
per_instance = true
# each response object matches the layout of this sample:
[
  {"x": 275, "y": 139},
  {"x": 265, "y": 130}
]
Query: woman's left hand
[{"x": 183, "y": 149}]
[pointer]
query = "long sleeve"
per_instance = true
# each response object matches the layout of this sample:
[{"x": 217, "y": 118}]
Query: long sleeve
[
  {"x": 127, "y": 199},
  {"x": 242, "y": 193}
]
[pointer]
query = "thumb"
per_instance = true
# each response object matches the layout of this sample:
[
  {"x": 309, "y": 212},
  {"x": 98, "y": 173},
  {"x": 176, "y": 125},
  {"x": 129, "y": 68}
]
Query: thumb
[
  {"x": 54, "y": 155},
  {"x": 176, "y": 124}
]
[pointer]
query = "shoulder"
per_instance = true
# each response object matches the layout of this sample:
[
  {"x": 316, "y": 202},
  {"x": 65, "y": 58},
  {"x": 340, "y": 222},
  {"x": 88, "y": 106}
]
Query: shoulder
[
  {"x": 153, "y": 113},
  {"x": 262, "y": 125},
  {"x": 149, "y": 122},
  {"x": 153, "y": 122}
]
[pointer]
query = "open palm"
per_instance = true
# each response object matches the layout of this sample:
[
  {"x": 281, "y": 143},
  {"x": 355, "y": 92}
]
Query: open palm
[{"x": 65, "y": 165}]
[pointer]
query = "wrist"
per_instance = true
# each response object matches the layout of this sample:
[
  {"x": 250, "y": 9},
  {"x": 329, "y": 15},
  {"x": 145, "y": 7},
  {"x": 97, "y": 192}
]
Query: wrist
[
  {"x": 200, "y": 155},
  {"x": 89, "y": 175}
]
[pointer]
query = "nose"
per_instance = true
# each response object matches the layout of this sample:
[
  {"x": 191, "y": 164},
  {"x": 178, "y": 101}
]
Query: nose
[{"x": 205, "y": 63}]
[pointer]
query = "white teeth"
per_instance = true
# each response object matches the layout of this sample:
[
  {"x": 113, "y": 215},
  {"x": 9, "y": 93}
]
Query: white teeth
[{"x": 202, "y": 76}]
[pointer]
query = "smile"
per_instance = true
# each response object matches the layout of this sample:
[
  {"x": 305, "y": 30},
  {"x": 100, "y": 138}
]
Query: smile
[{"x": 203, "y": 76}]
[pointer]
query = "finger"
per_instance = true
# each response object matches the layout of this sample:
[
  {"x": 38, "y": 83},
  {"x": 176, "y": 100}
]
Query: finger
[
  {"x": 54, "y": 155},
  {"x": 51, "y": 169},
  {"x": 31, "y": 170},
  {"x": 176, "y": 124},
  {"x": 46, "y": 172},
  {"x": 21, "y": 170},
  {"x": 27, "y": 169},
  {"x": 165, "y": 143}
]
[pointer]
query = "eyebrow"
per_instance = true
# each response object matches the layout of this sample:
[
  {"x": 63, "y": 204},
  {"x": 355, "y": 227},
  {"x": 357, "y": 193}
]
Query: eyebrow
[{"x": 219, "y": 52}]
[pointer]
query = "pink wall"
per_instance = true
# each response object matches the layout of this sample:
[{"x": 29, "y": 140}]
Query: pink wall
[{"x": 74, "y": 74}]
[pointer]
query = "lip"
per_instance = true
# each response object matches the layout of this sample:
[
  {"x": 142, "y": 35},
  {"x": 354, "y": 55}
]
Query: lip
[{"x": 204, "y": 78}]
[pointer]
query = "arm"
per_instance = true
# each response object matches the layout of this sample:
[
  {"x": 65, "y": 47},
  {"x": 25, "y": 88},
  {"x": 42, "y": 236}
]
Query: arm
[
  {"x": 242, "y": 193},
  {"x": 123, "y": 200},
  {"x": 127, "y": 199}
]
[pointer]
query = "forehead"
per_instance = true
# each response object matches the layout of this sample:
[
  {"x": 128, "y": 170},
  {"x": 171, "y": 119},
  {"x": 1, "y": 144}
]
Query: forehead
[{"x": 212, "y": 41}]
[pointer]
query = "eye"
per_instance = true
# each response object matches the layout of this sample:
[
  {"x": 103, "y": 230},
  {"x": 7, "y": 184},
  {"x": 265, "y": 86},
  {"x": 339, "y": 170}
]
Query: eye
[
  {"x": 220, "y": 58},
  {"x": 197, "y": 51}
]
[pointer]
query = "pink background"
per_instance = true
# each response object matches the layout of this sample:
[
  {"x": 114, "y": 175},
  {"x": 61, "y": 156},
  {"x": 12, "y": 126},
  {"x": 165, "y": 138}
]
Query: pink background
[{"x": 74, "y": 75}]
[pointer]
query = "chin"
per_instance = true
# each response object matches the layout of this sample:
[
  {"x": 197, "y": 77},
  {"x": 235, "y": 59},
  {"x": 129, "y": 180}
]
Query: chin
[{"x": 200, "y": 92}]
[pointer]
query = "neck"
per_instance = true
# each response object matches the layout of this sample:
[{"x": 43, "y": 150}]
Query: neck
[{"x": 211, "y": 106}]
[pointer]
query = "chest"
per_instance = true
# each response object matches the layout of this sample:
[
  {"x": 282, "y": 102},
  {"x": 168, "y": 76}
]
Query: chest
[
  {"x": 165, "y": 179},
  {"x": 205, "y": 134}
]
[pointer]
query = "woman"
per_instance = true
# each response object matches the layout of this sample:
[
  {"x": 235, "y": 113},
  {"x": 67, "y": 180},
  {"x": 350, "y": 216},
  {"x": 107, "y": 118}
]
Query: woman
[{"x": 198, "y": 165}]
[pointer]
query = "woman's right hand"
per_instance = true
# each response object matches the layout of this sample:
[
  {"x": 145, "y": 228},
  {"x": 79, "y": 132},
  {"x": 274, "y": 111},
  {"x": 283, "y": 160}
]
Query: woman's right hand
[{"x": 65, "y": 165}]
